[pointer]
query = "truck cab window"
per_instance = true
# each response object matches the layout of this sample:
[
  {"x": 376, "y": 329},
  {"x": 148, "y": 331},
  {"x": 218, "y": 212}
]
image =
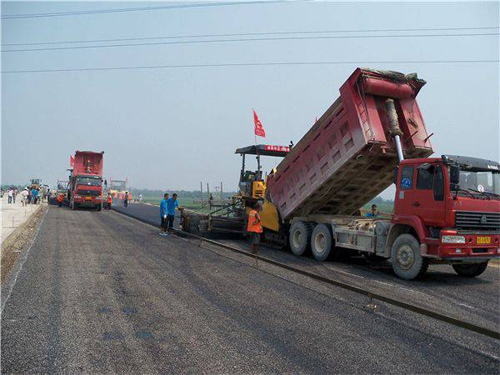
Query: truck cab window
[
  {"x": 406, "y": 178},
  {"x": 425, "y": 177},
  {"x": 438, "y": 184}
]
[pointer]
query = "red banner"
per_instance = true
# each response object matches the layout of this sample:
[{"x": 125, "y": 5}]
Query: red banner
[{"x": 259, "y": 129}]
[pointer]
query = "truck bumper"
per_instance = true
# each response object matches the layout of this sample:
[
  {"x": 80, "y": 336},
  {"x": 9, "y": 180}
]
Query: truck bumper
[
  {"x": 477, "y": 248},
  {"x": 85, "y": 203}
]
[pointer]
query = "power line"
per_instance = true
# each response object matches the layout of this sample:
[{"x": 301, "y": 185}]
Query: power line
[
  {"x": 141, "y": 9},
  {"x": 248, "y": 40},
  {"x": 250, "y": 34},
  {"x": 304, "y": 63}
]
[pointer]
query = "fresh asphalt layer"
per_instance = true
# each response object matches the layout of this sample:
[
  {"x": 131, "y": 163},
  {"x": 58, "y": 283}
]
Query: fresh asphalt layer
[
  {"x": 101, "y": 292},
  {"x": 475, "y": 300}
]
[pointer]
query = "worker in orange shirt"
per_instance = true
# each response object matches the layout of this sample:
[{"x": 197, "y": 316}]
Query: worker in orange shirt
[
  {"x": 60, "y": 200},
  {"x": 254, "y": 228}
]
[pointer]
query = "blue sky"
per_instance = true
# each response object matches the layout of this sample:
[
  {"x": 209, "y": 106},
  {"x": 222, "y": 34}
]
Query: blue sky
[{"x": 176, "y": 127}]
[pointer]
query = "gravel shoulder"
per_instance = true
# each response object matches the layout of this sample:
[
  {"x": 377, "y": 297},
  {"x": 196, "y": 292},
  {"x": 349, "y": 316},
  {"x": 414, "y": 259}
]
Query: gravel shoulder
[{"x": 19, "y": 240}]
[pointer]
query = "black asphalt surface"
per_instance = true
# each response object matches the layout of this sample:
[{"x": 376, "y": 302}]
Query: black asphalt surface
[
  {"x": 475, "y": 300},
  {"x": 103, "y": 293}
]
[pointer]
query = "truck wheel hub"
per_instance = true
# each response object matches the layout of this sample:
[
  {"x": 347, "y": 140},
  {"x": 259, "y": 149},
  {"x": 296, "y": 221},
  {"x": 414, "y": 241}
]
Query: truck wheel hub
[
  {"x": 297, "y": 238},
  {"x": 405, "y": 257},
  {"x": 320, "y": 242}
]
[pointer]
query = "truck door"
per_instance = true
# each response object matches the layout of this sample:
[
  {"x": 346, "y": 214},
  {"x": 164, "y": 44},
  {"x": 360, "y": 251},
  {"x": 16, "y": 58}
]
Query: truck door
[
  {"x": 428, "y": 195},
  {"x": 404, "y": 191}
]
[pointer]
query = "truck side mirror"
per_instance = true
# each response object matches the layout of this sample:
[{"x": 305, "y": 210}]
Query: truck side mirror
[
  {"x": 454, "y": 175},
  {"x": 395, "y": 176}
]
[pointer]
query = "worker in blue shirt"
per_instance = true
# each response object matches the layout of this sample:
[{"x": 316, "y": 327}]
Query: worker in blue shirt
[
  {"x": 34, "y": 193},
  {"x": 172, "y": 204},
  {"x": 163, "y": 215}
]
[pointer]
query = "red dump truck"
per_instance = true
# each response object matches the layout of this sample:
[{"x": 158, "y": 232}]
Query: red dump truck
[
  {"x": 85, "y": 181},
  {"x": 447, "y": 209}
]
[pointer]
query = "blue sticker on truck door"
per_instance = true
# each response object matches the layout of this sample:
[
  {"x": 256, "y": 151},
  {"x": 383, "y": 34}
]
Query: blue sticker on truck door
[
  {"x": 406, "y": 183},
  {"x": 406, "y": 177}
]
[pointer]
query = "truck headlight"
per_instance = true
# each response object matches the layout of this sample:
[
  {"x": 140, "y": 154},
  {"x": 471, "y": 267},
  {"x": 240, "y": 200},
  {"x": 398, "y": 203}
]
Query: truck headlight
[{"x": 453, "y": 239}]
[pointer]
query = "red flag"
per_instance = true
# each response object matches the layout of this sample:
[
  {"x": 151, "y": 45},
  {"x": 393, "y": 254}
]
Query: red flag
[
  {"x": 71, "y": 161},
  {"x": 259, "y": 129}
]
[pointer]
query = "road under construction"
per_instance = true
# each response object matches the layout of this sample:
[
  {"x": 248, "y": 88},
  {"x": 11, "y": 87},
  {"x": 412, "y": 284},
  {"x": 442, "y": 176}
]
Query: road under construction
[
  {"x": 128, "y": 300},
  {"x": 331, "y": 290}
]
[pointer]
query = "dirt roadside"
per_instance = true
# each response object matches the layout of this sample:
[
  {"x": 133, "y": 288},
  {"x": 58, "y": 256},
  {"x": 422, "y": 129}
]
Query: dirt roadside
[{"x": 18, "y": 240}]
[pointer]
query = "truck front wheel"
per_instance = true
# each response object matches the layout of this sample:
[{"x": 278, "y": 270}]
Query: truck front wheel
[
  {"x": 300, "y": 234},
  {"x": 407, "y": 262},
  {"x": 321, "y": 242},
  {"x": 470, "y": 270}
]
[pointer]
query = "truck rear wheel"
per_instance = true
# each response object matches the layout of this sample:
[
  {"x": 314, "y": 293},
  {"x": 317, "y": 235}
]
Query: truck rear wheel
[
  {"x": 407, "y": 262},
  {"x": 470, "y": 270},
  {"x": 321, "y": 242},
  {"x": 300, "y": 234}
]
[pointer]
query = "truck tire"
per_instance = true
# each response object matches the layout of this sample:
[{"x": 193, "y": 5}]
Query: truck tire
[
  {"x": 470, "y": 270},
  {"x": 407, "y": 262},
  {"x": 300, "y": 235},
  {"x": 322, "y": 242}
]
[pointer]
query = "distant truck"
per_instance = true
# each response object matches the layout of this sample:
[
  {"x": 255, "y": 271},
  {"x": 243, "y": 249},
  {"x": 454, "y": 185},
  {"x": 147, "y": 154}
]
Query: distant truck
[{"x": 85, "y": 182}]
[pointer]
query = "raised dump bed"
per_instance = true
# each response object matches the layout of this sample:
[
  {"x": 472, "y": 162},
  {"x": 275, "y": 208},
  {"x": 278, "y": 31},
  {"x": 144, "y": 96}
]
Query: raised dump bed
[{"x": 347, "y": 158}]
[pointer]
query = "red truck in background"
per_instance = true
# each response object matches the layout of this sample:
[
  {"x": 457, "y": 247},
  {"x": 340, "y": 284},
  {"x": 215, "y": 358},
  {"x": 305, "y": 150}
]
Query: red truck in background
[{"x": 85, "y": 181}]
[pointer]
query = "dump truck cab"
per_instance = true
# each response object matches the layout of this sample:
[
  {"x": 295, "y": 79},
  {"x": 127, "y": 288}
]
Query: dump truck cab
[{"x": 452, "y": 205}]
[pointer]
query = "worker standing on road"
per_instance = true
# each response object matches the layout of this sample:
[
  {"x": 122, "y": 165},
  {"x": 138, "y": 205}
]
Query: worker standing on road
[
  {"x": 254, "y": 228},
  {"x": 163, "y": 215},
  {"x": 34, "y": 195},
  {"x": 24, "y": 197},
  {"x": 172, "y": 204},
  {"x": 125, "y": 199}
]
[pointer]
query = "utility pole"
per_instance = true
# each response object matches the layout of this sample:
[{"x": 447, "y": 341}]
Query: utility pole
[
  {"x": 201, "y": 193},
  {"x": 208, "y": 196}
]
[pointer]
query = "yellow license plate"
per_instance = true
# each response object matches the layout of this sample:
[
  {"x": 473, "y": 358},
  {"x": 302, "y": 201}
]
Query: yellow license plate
[
  {"x": 88, "y": 198},
  {"x": 483, "y": 240}
]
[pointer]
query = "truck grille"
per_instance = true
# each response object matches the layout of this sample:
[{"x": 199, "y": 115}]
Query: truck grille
[
  {"x": 474, "y": 220},
  {"x": 93, "y": 193}
]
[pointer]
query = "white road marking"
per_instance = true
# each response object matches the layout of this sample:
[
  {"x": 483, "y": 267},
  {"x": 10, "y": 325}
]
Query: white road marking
[{"x": 465, "y": 305}]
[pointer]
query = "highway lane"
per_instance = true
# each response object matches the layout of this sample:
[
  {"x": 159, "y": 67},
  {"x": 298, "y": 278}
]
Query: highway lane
[
  {"x": 100, "y": 292},
  {"x": 476, "y": 300}
]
